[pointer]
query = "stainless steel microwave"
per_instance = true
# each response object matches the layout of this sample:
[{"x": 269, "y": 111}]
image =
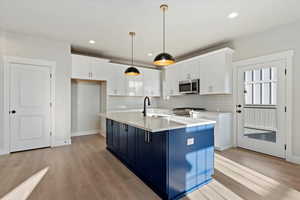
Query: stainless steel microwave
[{"x": 189, "y": 86}]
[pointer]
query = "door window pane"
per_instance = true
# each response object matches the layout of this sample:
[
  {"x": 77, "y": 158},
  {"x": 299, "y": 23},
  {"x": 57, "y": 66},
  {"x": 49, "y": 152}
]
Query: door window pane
[
  {"x": 266, "y": 74},
  {"x": 274, "y": 93},
  {"x": 261, "y": 86},
  {"x": 260, "y": 123},
  {"x": 257, "y": 75},
  {"x": 248, "y": 93},
  {"x": 257, "y": 93},
  {"x": 248, "y": 76},
  {"x": 266, "y": 93},
  {"x": 274, "y": 74}
]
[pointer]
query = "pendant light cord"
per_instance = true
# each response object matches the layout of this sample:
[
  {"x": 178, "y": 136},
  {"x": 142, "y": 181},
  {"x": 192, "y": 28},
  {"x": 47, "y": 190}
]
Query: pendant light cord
[
  {"x": 132, "y": 49},
  {"x": 164, "y": 30}
]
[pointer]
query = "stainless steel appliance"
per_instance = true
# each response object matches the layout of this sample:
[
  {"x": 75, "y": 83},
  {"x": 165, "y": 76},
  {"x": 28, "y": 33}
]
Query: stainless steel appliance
[{"x": 189, "y": 86}]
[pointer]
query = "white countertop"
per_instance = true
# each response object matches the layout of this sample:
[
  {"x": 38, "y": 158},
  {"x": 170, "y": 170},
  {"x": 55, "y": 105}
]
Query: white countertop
[{"x": 155, "y": 124}]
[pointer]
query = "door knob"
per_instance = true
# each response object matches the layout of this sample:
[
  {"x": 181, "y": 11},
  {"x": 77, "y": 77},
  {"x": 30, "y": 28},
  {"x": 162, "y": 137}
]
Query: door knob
[{"x": 13, "y": 112}]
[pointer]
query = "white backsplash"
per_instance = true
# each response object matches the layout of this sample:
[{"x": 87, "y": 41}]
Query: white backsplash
[
  {"x": 127, "y": 103},
  {"x": 210, "y": 102}
]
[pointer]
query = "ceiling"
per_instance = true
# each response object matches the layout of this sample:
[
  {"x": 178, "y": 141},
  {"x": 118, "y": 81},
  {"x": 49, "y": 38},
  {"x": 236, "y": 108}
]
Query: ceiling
[{"x": 191, "y": 25}]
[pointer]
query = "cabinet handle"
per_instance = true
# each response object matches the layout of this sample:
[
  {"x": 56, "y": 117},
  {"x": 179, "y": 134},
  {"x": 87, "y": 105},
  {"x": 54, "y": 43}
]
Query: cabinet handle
[
  {"x": 146, "y": 136},
  {"x": 149, "y": 138},
  {"x": 91, "y": 74}
]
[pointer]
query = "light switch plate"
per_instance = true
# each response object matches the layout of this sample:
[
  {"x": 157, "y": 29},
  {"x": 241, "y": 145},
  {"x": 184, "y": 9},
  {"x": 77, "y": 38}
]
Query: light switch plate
[{"x": 190, "y": 141}]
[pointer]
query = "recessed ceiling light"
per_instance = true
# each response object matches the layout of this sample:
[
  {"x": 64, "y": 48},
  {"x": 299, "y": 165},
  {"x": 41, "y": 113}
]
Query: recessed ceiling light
[
  {"x": 92, "y": 42},
  {"x": 233, "y": 15},
  {"x": 150, "y": 54}
]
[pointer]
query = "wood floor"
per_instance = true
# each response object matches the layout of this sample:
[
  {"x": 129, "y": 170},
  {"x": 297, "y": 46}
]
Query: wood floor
[{"x": 85, "y": 170}]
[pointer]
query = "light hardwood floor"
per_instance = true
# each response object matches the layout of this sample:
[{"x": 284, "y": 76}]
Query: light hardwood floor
[{"x": 85, "y": 170}]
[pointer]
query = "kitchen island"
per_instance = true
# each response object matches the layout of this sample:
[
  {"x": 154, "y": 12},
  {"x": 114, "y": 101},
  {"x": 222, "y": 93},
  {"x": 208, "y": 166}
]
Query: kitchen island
[{"x": 172, "y": 155}]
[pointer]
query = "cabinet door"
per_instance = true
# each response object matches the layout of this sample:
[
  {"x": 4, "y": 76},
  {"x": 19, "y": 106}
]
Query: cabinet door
[
  {"x": 131, "y": 146},
  {"x": 192, "y": 69},
  {"x": 123, "y": 140},
  {"x": 109, "y": 133},
  {"x": 81, "y": 68},
  {"x": 116, "y": 83},
  {"x": 100, "y": 69},
  {"x": 152, "y": 82},
  {"x": 216, "y": 74},
  {"x": 172, "y": 80},
  {"x": 156, "y": 85},
  {"x": 150, "y": 157},
  {"x": 135, "y": 84},
  {"x": 116, "y": 137},
  {"x": 157, "y": 159},
  {"x": 143, "y": 152}
]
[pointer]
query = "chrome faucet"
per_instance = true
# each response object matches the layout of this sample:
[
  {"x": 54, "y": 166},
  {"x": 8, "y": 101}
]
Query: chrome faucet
[{"x": 145, "y": 107}]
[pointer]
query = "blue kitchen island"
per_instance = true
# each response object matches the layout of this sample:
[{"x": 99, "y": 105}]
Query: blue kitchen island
[{"x": 171, "y": 155}]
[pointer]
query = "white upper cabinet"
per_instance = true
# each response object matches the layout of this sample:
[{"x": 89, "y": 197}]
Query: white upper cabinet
[
  {"x": 88, "y": 68},
  {"x": 171, "y": 82},
  {"x": 152, "y": 79},
  {"x": 116, "y": 80},
  {"x": 118, "y": 84},
  {"x": 216, "y": 73},
  {"x": 189, "y": 70},
  {"x": 214, "y": 70},
  {"x": 100, "y": 69},
  {"x": 135, "y": 84},
  {"x": 192, "y": 69},
  {"x": 81, "y": 68}
]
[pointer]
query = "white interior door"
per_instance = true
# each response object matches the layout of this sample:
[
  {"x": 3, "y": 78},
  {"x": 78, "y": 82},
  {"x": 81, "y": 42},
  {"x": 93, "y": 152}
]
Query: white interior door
[
  {"x": 261, "y": 107},
  {"x": 30, "y": 114}
]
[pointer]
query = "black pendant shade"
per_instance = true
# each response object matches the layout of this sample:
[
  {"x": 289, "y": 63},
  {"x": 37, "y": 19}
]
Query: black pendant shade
[
  {"x": 132, "y": 71},
  {"x": 164, "y": 59}
]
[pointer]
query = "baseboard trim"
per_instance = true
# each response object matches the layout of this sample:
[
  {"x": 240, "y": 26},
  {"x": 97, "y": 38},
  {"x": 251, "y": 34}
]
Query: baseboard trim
[
  {"x": 293, "y": 159},
  {"x": 62, "y": 143},
  {"x": 81, "y": 133},
  {"x": 103, "y": 133},
  {"x": 3, "y": 152},
  {"x": 222, "y": 148}
]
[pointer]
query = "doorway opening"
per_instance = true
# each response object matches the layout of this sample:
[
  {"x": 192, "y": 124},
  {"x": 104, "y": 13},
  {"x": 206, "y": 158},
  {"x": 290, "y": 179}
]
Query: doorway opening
[{"x": 88, "y": 99}]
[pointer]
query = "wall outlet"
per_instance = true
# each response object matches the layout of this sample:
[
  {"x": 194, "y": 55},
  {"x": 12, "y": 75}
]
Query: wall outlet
[{"x": 190, "y": 141}]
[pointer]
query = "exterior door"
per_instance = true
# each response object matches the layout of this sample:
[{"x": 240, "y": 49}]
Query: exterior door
[
  {"x": 30, "y": 109},
  {"x": 261, "y": 107}
]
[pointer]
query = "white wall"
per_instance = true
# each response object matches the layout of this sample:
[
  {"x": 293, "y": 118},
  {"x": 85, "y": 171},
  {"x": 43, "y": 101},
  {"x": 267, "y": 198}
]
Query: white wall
[
  {"x": 1, "y": 93},
  {"x": 21, "y": 45},
  {"x": 85, "y": 100},
  {"x": 279, "y": 39}
]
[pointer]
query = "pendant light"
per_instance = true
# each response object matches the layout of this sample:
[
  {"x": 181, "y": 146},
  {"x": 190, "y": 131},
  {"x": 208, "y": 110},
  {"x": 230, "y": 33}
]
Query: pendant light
[
  {"x": 163, "y": 59},
  {"x": 132, "y": 71}
]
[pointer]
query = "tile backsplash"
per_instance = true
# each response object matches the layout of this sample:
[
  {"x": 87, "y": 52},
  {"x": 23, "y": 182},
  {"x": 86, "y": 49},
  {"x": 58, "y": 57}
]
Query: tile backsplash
[{"x": 210, "y": 102}]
